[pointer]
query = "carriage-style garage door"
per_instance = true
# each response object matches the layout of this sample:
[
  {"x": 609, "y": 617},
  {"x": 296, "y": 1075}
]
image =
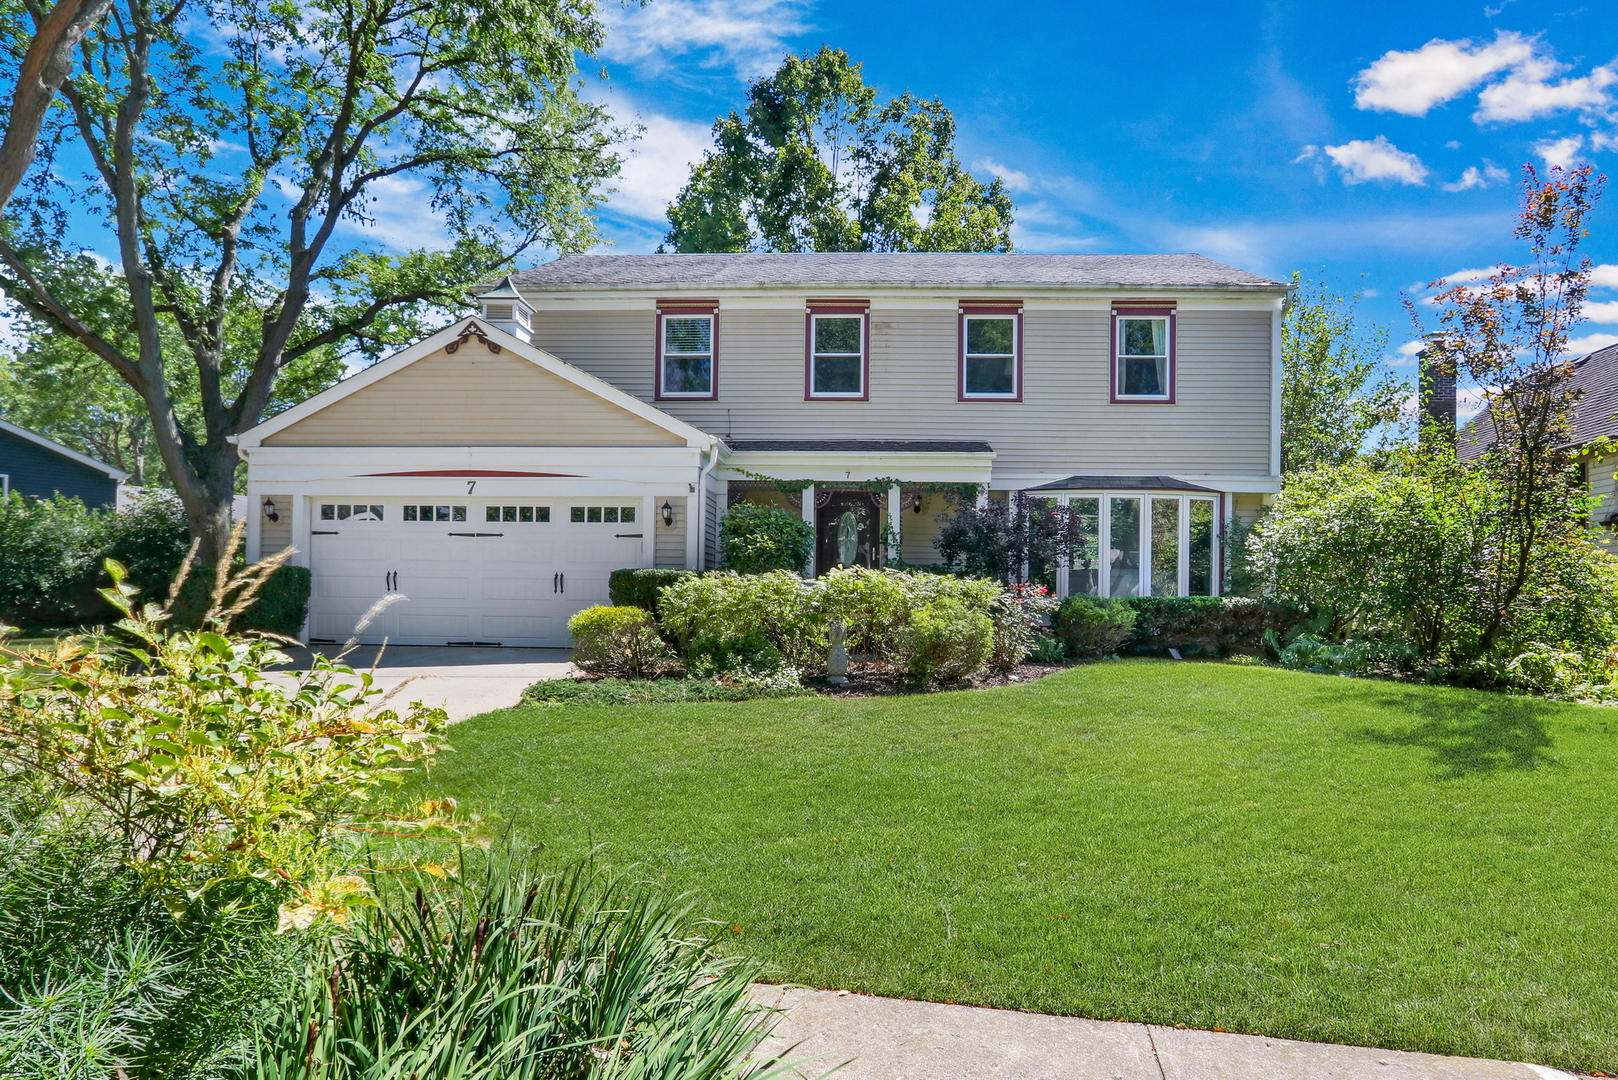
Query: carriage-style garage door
[{"x": 475, "y": 572}]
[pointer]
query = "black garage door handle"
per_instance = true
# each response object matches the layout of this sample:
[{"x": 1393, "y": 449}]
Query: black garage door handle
[{"x": 477, "y": 534}]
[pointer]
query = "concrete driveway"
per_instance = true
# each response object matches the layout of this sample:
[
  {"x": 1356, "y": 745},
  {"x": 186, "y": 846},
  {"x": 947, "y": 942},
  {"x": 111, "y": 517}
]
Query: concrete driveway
[{"x": 464, "y": 680}]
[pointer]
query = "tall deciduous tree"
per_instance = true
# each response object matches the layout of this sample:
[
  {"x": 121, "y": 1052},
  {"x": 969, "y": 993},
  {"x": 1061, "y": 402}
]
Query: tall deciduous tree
[
  {"x": 230, "y": 152},
  {"x": 816, "y": 164},
  {"x": 1508, "y": 337},
  {"x": 1331, "y": 397}
]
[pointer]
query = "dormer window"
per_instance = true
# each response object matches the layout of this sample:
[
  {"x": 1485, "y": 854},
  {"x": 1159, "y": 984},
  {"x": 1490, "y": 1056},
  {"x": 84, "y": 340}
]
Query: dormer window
[{"x": 687, "y": 354}]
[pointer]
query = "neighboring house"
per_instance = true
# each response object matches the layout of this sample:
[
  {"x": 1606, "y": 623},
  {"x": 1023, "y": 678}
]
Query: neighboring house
[
  {"x": 1595, "y": 418},
  {"x": 603, "y": 411},
  {"x": 31, "y": 464}
]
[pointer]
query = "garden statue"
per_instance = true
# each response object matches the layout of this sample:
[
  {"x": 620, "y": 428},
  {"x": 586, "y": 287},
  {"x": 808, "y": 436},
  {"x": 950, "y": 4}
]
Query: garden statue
[{"x": 837, "y": 660}]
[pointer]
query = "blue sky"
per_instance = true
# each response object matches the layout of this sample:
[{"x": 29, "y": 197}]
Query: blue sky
[{"x": 1378, "y": 144}]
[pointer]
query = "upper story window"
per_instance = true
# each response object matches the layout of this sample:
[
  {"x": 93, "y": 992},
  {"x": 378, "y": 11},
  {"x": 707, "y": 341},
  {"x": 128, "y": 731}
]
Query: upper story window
[
  {"x": 687, "y": 351},
  {"x": 991, "y": 352},
  {"x": 838, "y": 351},
  {"x": 1143, "y": 363}
]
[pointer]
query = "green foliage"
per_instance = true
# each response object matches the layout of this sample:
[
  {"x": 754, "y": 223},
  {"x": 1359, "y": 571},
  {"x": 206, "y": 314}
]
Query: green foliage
[
  {"x": 221, "y": 159},
  {"x": 1092, "y": 628},
  {"x": 280, "y": 606},
  {"x": 740, "y": 612},
  {"x": 1011, "y": 540},
  {"x": 1021, "y": 615},
  {"x": 875, "y": 605},
  {"x": 621, "y": 641},
  {"x": 51, "y": 554},
  {"x": 95, "y": 972},
  {"x": 754, "y": 539},
  {"x": 945, "y": 641},
  {"x": 213, "y": 776},
  {"x": 1425, "y": 556},
  {"x": 815, "y": 164},
  {"x": 641, "y": 587},
  {"x": 619, "y": 692},
  {"x": 1210, "y": 625},
  {"x": 1331, "y": 399},
  {"x": 507, "y": 975}
]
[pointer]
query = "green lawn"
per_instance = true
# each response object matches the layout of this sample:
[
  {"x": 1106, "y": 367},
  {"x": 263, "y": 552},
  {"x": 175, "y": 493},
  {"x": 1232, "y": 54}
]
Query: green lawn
[{"x": 1199, "y": 844}]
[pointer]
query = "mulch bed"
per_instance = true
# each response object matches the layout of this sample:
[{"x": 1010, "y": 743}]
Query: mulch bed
[{"x": 876, "y": 681}]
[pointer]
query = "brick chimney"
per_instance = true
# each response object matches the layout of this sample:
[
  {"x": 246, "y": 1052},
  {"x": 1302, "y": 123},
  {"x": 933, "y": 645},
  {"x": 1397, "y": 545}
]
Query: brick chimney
[{"x": 1437, "y": 395}]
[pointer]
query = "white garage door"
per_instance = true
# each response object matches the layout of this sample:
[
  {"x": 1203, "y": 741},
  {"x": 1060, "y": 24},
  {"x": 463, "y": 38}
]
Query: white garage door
[{"x": 474, "y": 572}]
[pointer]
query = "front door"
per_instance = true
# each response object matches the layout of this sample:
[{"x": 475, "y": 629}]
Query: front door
[{"x": 847, "y": 528}]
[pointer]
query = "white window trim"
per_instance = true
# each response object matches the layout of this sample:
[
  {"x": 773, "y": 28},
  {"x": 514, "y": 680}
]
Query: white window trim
[
  {"x": 1104, "y": 541},
  {"x": 1118, "y": 357},
  {"x": 663, "y": 355},
  {"x": 1015, "y": 354},
  {"x": 814, "y": 355}
]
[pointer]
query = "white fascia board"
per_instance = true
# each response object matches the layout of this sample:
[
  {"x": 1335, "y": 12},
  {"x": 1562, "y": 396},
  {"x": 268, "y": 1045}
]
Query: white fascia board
[
  {"x": 362, "y": 467},
  {"x": 920, "y": 294},
  {"x": 429, "y": 345},
  {"x": 495, "y": 489},
  {"x": 55, "y": 447},
  {"x": 831, "y": 467}
]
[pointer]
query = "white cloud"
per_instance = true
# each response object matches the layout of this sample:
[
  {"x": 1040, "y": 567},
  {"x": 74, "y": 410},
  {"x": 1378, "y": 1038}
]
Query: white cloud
[
  {"x": 1604, "y": 140},
  {"x": 1558, "y": 153},
  {"x": 1604, "y": 276},
  {"x": 1014, "y": 179},
  {"x": 657, "y": 165},
  {"x": 1378, "y": 159},
  {"x": 1603, "y": 312},
  {"x": 747, "y": 36},
  {"x": 1408, "y": 351},
  {"x": 1590, "y": 343},
  {"x": 1413, "y": 82},
  {"x": 1527, "y": 93},
  {"x": 1473, "y": 177}
]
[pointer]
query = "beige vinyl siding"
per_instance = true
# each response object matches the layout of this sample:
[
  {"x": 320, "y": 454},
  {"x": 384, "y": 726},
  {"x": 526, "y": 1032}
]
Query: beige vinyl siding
[
  {"x": 1066, "y": 421},
  {"x": 918, "y": 531},
  {"x": 1603, "y": 486},
  {"x": 472, "y": 398},
  {"x": 668, "y": 549},
  {"x": 274, "y": 536},
  {"x": 1247, "y": 507}
]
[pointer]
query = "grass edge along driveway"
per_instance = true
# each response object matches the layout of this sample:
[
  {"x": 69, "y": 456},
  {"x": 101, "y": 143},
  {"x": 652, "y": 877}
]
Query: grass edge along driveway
[{"x": 1213, "y": 845}]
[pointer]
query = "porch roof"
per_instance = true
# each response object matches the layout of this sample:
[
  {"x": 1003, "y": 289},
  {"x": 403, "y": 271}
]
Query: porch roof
[
  {"x": 1120, "y": 483},
  {"x": 858, "y": 446}
]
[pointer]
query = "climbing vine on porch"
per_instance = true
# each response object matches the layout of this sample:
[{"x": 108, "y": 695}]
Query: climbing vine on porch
[{"x": 954, "y": 492}]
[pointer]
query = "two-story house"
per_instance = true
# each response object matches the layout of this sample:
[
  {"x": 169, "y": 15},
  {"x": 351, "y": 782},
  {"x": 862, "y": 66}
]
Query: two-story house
[{"x": 603, "y": 411}]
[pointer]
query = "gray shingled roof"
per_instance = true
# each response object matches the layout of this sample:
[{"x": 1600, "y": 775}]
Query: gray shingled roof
[
  {"x": 1120, "y": 483},
  {"x": 878, "y": 268},
  {"x": 859, "y": 446},
  {"x": 1596, "y": 375}
]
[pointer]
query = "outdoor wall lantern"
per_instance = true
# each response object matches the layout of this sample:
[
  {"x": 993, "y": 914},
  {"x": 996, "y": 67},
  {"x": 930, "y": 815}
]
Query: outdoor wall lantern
[
  {"x": 915, "y": 502},
  {"x": 269, "y": 510},
  {"x": 668, "y": 514}
]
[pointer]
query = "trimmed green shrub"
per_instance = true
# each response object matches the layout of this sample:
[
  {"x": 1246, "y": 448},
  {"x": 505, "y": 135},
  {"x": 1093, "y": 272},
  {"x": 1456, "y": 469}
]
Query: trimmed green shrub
[
  {"x": 756, "y": 539},
  {"x": 945, "y": 641},
  {"x": 1210, "y": 625},
  {"x": 1092, "y": 628},
  {"x": 613, "y": 692},
  {"x": 619, "y": 641},
  {"x": 876, "y": 605},
  {"x": 642, "y": 586},
  {"x": 280, "y": 607},
  {"x": 51, "y": 554},
  {"x": 729, "y": 611}
]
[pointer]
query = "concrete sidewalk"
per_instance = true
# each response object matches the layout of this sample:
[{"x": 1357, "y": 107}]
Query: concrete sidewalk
[
  {"x": 464, "y": 680},
  {"x": 892, "y": 1039}
]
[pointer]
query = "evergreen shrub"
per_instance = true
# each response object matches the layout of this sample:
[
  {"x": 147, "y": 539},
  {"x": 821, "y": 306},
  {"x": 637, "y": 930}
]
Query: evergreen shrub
[
  {"x": 945, "y": 641},
  {"x": 643, "y": 586},
  {"x": 620, "y": 641},
  {"x": 757, "y": 539},
  {"x": 1092, "y": 628}
]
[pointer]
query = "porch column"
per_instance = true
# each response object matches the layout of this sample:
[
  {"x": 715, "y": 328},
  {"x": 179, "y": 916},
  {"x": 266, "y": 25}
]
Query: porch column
[
  {"x": 808, "y": 512},
  {"x": 895, "y": 520}
]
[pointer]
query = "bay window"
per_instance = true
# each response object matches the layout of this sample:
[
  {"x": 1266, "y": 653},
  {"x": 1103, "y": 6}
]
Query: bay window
[{"x": 1142, "y": 544}]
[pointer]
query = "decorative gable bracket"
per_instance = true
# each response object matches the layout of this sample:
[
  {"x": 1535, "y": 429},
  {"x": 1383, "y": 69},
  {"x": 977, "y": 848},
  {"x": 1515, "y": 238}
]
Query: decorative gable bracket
[{"x": 473, "y": 330}]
